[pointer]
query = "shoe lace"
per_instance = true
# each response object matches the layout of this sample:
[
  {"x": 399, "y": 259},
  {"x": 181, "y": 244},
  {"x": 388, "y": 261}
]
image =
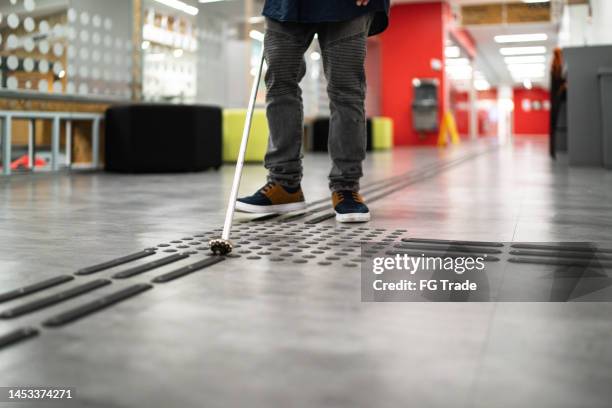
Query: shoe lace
[
  {"x": 269, "y": 185},
  {"x": 342, "y": 195}
]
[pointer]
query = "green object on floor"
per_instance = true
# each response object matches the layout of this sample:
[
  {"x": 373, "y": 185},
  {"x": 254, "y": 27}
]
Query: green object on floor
[
  {"x": 233, "y": 124},
  {"x": 382, "y": 133}
]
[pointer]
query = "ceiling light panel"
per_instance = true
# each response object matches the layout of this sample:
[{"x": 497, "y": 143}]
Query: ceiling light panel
[
  {"x": 457, "y": 61},
  {"x": 452, "y": 52},
  {"x": 509, "y": 51},
  {"x": 515, "y": 38},
  {"x": 526, "y": 59}
]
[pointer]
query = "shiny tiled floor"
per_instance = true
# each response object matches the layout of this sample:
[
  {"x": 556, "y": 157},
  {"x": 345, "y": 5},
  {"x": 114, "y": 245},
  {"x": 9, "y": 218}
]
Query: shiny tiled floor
[{"x": 261, "y": 334}]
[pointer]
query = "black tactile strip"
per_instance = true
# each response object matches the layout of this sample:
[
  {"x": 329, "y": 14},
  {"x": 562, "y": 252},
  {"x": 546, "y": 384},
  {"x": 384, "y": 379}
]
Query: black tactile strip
[
  {"x": 137, "y": 270},
  {"x": 115, "y": 262},
  {"x": 18, "y": 336},
  {"x": 571, "y": 254},
  {"x": 186, "y": 270},
  {"x": 455, "y": 243},
  {"x": 563, "y": 254},
  {"x": 96, "y": 305},
  {"x": 444, "y": 253},
  {"x": 265, "y": 217},
  {"x": 321, "y": 218},
  {"x": 54, "y": 299},
  {"x": 288, "y": 218},
  {"x": 36, "y": 287},
  {"x": 451, "y": 247},
  {"x": 563, "y": 262},
  {"x": 563, "y": 247}
]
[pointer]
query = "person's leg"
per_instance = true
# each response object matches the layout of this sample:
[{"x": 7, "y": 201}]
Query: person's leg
[
  {"x": 285, "y": 45},
  {"x": 343, "y": 45}
]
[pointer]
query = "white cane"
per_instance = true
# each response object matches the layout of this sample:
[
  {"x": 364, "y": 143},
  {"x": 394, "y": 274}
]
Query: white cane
[{"x": 223, "y": 246}]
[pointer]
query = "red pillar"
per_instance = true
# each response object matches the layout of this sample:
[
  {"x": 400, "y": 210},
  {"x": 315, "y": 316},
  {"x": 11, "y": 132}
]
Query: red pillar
[{"x": 415, "y": 37}]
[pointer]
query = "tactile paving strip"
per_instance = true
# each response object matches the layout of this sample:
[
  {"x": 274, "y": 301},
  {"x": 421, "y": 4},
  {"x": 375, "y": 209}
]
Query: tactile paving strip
[
  {"x": 377, "y": 190},
  {"x": 36, "y": 287},
  {"x": 54, "y": 299},
  {"x": 18, "y": 336},
  {"x": 115, "y": 262},
  {"x": 273, "y": 242},
  {"x": 98, "y": 304}
]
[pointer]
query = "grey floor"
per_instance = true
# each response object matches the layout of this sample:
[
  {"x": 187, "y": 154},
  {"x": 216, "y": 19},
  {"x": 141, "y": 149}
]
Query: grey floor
[{"x": 256, "y": 333}]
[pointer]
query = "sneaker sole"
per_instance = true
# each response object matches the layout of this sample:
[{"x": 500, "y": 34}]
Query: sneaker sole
[
  {"x": 266, "y": 209},
  {"x": 355, "y": 217}
]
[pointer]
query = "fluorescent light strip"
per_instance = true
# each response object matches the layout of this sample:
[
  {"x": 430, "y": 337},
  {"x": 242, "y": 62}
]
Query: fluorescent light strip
[
  {"x": 533, "y": 78},
  {"x": 527, "y": 74},
  {"x": 458, "y": 68},
  {"x": 522, "y": 50},
  {"x": 457, "y": 61},
  {"x": 514, "y": 38},
  {"x": 179, "y": 5},
  {"x": 526, "y": 59},
  {"x": 452, "y": 52},
  {"x": 526, "y": 67}
]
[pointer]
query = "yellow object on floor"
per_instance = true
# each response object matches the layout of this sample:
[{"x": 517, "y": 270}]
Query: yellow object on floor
[
  {"x": 233, "y": 125},
  {"x": 382, "y": 133},
  {"x": 448, "y": 126}
]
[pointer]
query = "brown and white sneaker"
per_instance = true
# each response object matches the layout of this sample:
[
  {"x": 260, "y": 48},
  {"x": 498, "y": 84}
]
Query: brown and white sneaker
[
  {"x": 350, "y": 207},
  {"x": 272, "y": 198}
]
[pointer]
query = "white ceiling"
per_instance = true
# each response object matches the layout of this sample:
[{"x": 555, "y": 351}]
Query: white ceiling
[
  {"x": 492, "y": 62},
  {"x": 489, "y": 60}
]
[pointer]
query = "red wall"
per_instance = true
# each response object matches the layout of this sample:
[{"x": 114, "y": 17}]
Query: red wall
[
  {"x": 531, "y": 122},
  {"x": 415, "y": 36}
]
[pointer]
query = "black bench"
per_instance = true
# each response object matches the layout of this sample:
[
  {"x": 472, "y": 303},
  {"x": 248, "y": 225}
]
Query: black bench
[{"x": 158, "y": 138}]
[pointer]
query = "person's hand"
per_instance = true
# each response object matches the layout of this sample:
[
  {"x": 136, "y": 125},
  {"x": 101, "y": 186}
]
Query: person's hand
[{"x": 362, "y": 2}]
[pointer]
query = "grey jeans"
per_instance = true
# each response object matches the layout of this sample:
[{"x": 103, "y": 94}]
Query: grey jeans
[{"x": 343, "y": 47}]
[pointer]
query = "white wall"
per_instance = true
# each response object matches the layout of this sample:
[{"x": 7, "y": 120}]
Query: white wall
[
  {"x": 579, "y": 28},
  {"x": 235, "y": 76},
  {"x": 212, "y": 60},
  {"x": 601, "y": 31}
]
